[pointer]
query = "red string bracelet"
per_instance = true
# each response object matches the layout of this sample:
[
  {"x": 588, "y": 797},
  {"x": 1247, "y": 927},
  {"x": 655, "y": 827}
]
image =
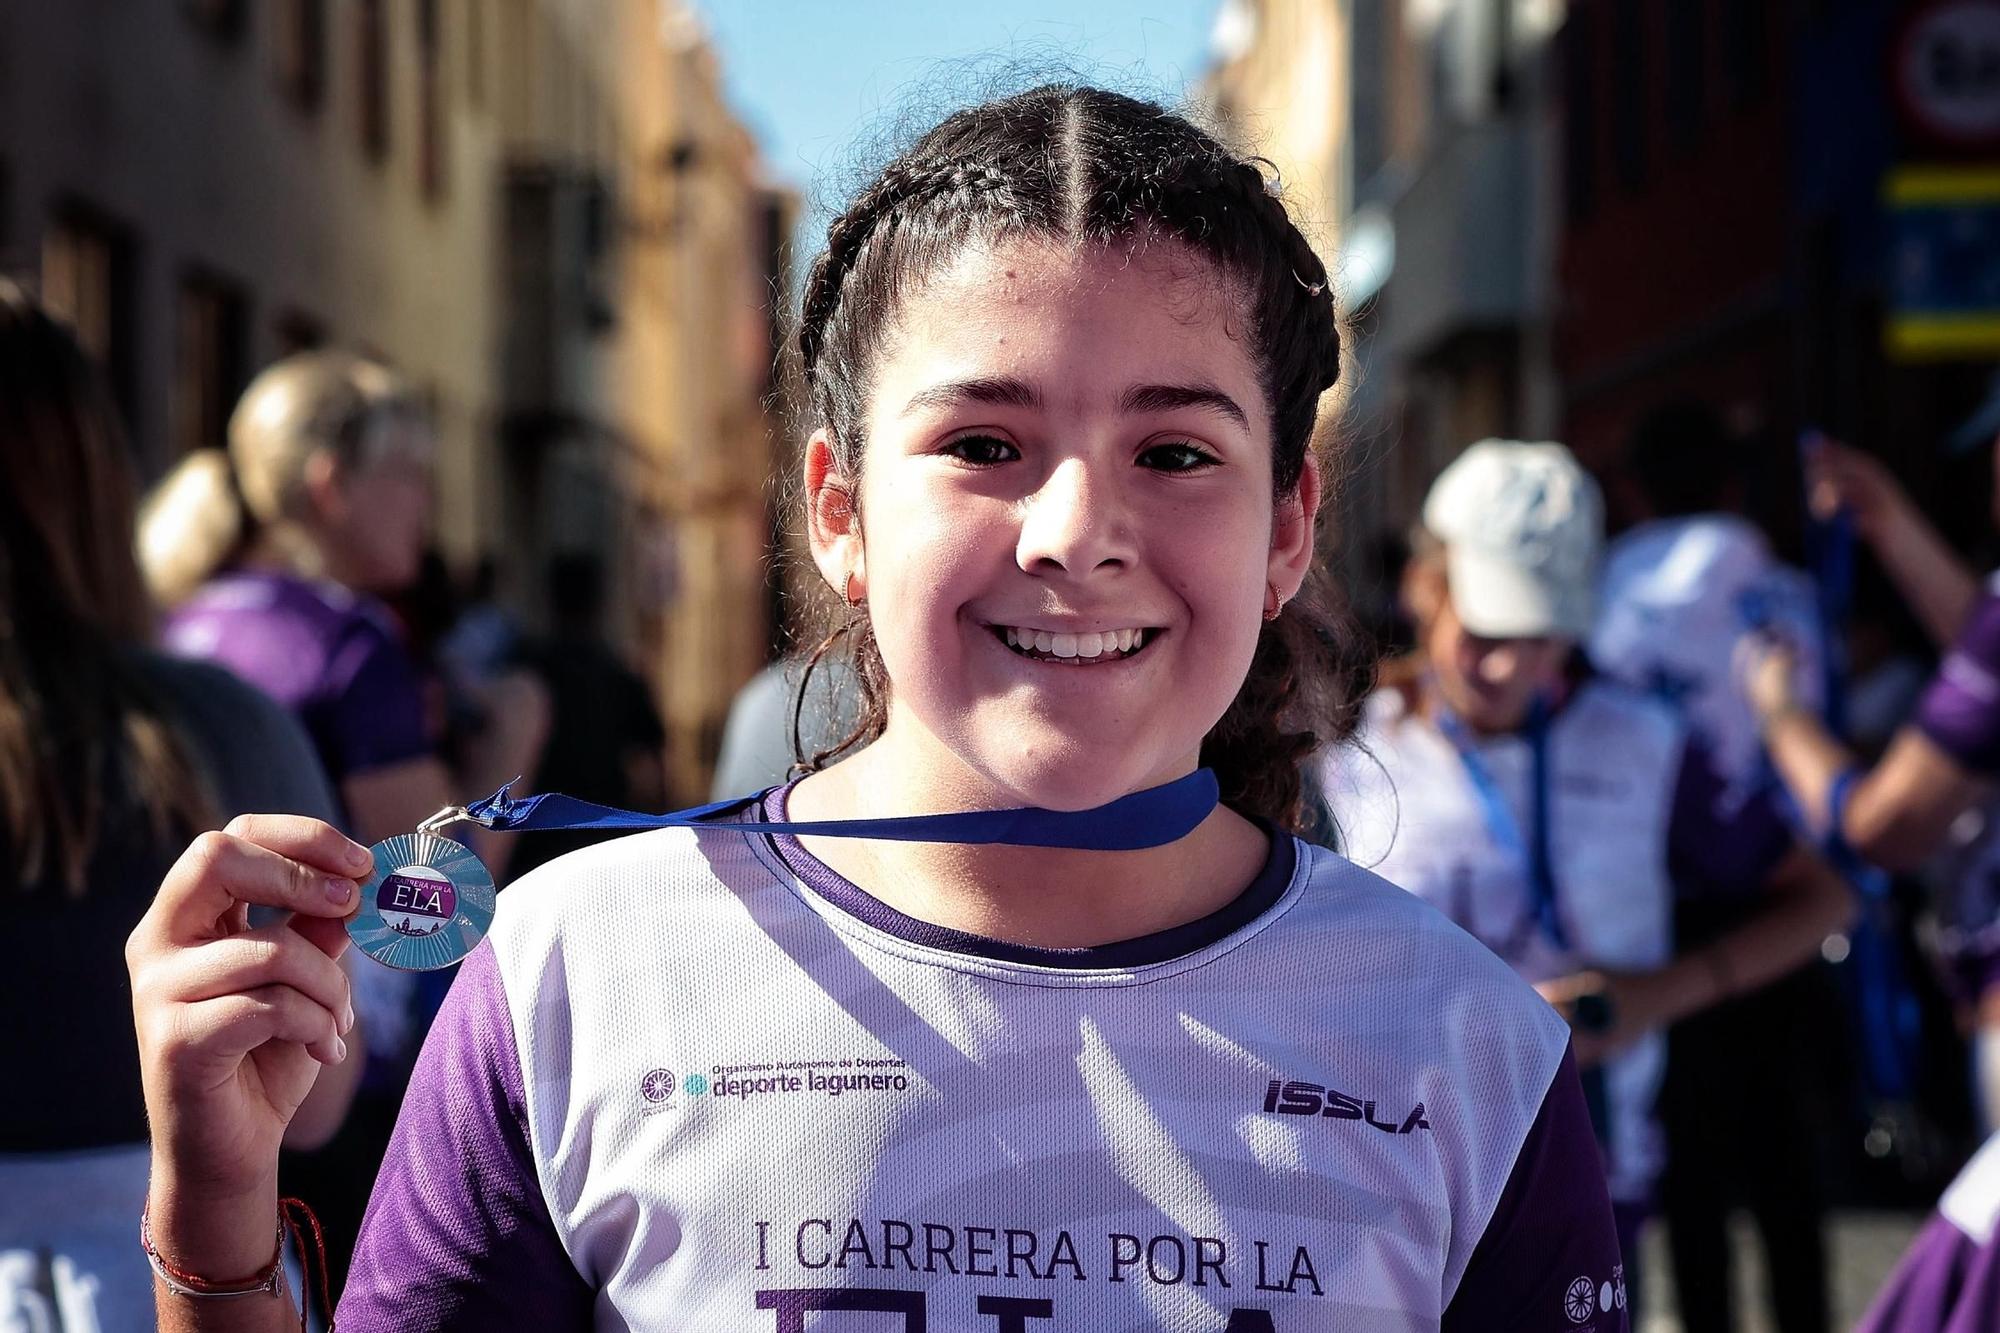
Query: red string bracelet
[{"x": 269, "y": 1282}]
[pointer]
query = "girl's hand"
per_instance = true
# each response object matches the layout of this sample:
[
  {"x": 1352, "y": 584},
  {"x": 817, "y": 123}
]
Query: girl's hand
[
  {"x": 234, "y": 1023},
  {"x": 1767, "y": 669},
  {"x": 1841, "y": 478}
]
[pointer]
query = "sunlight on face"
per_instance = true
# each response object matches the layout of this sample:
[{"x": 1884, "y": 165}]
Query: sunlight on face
[
  {"x": 1491, "y": 683},
  {"x": 1067, "y": 518}
]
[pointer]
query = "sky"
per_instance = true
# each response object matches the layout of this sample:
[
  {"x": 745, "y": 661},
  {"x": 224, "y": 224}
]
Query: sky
[{"x": 819, "y": 80}]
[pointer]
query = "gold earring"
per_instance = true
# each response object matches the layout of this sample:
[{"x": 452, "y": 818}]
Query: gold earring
[{"x": 1274, "y": 605}]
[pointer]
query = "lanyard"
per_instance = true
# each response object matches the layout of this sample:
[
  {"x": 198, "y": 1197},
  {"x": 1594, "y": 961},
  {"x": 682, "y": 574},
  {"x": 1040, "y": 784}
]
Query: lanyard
[
  {"x": 1530, "y": 848},
  {"x": 429, "y": 900}
]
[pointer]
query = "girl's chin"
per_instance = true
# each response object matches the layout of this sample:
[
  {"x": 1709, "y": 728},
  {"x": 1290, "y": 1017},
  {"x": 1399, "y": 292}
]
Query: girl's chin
[{"x": 1067, "y": 783}]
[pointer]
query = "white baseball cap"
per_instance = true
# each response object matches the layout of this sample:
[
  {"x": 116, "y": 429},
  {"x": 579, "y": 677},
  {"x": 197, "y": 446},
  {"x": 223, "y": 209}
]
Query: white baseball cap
[{"x": 1522, "y": 526}]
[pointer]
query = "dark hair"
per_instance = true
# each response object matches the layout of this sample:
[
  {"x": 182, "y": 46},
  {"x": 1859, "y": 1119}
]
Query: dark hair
[
  {"x": 83, "y": 736},
  {"x": 1683, "y": 459},
  {"x": 1085, "y": 165}
]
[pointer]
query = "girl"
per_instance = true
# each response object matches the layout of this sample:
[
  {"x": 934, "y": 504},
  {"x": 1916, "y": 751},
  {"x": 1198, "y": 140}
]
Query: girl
[
  {"x": 111, "y": 757},
  {"x": 1063, "y": 359},
  {"x": 1553, "y": 814}
]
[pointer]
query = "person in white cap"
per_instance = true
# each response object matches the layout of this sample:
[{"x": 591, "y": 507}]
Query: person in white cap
[{"x": 1552, "y": 813}]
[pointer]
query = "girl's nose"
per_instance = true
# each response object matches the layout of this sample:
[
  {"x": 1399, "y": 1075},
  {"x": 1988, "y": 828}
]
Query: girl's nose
[{"x": 1074, "y": 522}]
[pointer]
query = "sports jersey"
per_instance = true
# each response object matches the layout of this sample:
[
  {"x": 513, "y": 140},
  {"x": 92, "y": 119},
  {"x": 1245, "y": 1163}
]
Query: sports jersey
[
  {"x": 1634, "y": 811},
  {"x": 1960, "y": 714},
  {"x": 1676, "y": 597},
  {"x": 702, "y": 1081},
  {"x": 1949, "y": 1280}
]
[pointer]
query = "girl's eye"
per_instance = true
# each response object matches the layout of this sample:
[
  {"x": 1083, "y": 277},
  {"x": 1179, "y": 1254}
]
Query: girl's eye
[
  {"x": 1177, "y": 456},
  {"x": 982, "y": 450}
]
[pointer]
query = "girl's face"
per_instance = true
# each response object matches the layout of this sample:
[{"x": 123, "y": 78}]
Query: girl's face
[
  {"x": 1491, "y": 683},
  {"x": 377, "y": 516},
  {"x": 1066, "y": 528}
]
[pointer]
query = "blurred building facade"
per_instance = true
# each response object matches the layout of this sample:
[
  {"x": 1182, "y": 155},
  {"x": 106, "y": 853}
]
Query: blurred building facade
[
  {"x": 1553, "y": 215},
  {"x": 540, "y": 211}
]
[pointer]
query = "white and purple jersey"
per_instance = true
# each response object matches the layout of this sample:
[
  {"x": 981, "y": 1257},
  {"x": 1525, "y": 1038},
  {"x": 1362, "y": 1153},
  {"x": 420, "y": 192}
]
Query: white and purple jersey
[
  {"x": 701, "y": 1081},
  {"x": 1949, "y": 1280},
  {"x": 1635, "y": 813}
]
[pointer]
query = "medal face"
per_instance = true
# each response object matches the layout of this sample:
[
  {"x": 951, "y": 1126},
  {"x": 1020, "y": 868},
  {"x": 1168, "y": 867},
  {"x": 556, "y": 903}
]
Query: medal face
[{"x": 425, "y": 905}]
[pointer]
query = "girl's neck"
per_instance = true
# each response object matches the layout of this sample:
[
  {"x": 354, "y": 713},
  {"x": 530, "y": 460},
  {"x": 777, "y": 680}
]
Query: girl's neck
[{"x": 1041, "y": 897}]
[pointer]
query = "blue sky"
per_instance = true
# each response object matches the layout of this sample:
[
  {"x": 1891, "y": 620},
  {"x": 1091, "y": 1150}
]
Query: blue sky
[{"x": 818, "y": 79}]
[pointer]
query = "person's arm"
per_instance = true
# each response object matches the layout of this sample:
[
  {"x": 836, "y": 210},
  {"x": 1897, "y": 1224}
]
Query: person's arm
[
  {"x": 1549, "y": 1251},
  {"x": 1939, "y": 587},
  {"x": 1896, "y": 813},
  {"x": 1806, "y": 902},
  {"x": 1718, "y": 844},
  {"x": 234, "y": 1023}
]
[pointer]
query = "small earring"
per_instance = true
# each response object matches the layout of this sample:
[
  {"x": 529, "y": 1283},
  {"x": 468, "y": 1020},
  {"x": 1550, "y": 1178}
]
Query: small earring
[
  {"x": 1274, "y": 605},
  {"x": 852, "y": 598}
]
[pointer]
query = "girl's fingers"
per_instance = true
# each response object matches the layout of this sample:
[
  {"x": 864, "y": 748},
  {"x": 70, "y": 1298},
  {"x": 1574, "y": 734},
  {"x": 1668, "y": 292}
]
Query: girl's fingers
[
  {"x": 243, "y": 964},
  {"x": 284, "y": 861},
  {"x": 216, "y": 1034}
]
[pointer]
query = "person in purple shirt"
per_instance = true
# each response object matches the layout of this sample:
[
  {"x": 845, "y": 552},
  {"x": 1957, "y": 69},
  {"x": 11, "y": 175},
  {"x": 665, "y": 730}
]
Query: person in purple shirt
[
  {"x": 1062, "y": 333},
  {"x": 275, "y": 554},
  {"x": 1939, "y": 766}
]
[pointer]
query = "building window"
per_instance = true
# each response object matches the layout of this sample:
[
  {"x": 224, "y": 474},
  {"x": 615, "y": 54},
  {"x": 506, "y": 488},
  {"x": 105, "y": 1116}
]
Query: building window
[
  {"x": 211, "y": 360},
  {"x": 1628, "y": 94},
  {"x": 1687, "y": 69},
  {"x": 430, "y": 100},
  {"x": 302, "y": 51},
  {"x": 221, "y": 18},
  {"x": 1579, "y": 77},
  {"x": 88, "y": 281},
  {"x": 371, "y": 40}
]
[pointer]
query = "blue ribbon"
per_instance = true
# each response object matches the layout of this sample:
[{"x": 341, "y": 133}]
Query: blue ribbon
[
  {"x": 1533, "y": 849},
  {"x": 1150, "y": 818}
]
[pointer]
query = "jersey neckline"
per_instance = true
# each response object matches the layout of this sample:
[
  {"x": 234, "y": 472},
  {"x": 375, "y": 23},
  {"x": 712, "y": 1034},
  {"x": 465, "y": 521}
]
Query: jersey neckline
[{"x": 1176, "y": 942}]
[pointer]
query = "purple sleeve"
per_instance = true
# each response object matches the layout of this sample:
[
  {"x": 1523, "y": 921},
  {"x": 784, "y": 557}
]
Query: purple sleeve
[
  {"x": 1548, "y": 1259},
  {"x": 1944, "y": 1284},
  {"x": 1960, "y": 710},
  {"x": 372, "y": 714},
  {"x": 1719, "y": 842},
  {"x": 457, "y": 1234}
]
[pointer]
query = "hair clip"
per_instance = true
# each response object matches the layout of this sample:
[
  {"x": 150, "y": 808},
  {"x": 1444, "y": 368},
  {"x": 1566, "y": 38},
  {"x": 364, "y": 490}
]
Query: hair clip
[
  {"x": 1312, "y": 288},
  {"x": 1274, "y": 183}
]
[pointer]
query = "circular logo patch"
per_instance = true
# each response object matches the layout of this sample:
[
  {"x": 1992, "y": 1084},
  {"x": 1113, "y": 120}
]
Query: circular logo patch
[
  {"x": 658, "y": 1085},
  {"x": 1580, "y": 1301},
  {"x": 417, "y": 901}
]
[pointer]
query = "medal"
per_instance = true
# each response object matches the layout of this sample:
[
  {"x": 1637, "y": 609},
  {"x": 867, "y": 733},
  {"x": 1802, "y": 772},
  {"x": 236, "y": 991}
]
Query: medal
[{"x": 427, "y": 902}]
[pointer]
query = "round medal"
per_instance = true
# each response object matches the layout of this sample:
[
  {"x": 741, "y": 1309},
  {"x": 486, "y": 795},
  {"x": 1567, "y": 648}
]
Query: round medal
[{"x": 426, "y": 904}]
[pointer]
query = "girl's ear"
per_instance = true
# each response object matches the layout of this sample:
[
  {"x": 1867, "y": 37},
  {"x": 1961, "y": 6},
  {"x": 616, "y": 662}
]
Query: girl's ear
[
  {"x": 1292, "y": 550},
  {"x": 325, "y": 487},
  {"x": 833, "y": 524}
]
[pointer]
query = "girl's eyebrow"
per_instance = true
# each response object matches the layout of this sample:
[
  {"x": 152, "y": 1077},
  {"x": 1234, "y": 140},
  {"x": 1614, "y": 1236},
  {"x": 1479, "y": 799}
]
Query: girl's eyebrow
[
  {"x": 1005, "y": 391},
  {"x": 1171, "y": 397},
  {"x": 999, "y": 392}
]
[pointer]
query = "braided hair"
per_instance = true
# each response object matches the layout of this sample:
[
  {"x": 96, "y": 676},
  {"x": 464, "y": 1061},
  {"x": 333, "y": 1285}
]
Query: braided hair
[{"x": 1090, "y": 166}]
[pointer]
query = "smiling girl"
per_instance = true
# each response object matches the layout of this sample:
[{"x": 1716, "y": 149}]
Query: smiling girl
[{"x": 1063, "y": 359}]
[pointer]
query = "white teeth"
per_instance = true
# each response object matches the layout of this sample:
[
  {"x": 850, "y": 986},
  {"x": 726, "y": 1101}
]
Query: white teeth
[{"x": 1072, "y": 647}]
